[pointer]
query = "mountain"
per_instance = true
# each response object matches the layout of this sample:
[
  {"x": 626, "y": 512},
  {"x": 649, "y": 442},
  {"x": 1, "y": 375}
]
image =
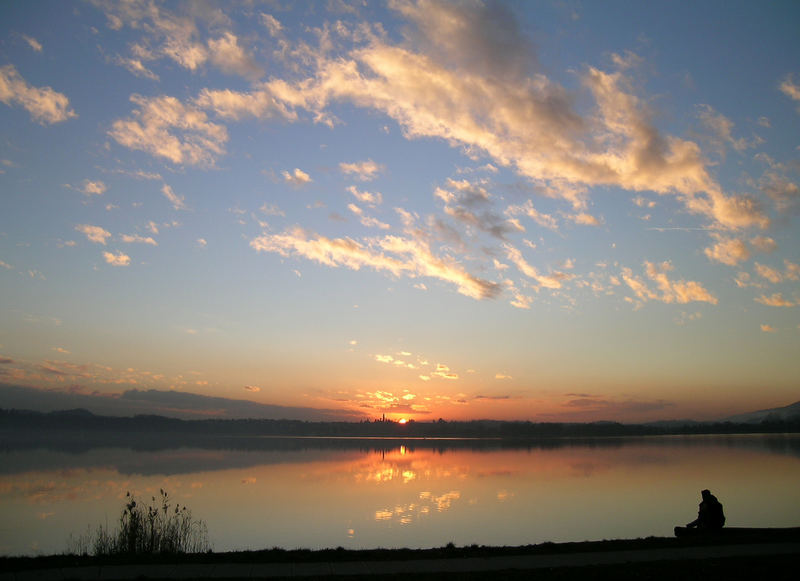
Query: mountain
[
  {"x": 778, "y": 414},
  {"x": 173, "y": 404}
]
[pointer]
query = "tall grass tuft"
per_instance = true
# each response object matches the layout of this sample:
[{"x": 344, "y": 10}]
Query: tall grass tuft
[{"x": 147, "y": 529}]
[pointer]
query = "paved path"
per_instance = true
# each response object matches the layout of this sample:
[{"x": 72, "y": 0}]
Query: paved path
[{"x": 471, "y": 564}]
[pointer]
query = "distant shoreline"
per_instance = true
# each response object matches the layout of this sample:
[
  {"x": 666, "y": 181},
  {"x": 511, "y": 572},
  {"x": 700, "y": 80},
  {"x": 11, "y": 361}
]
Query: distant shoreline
[{"x": 83, "y": 423}]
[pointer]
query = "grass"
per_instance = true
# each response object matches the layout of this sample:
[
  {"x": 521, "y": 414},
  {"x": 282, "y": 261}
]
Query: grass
[{"x": 146, "y": 529}]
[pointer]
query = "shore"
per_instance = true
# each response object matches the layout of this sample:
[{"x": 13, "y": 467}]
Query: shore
[{"x": 650, "y": 558}]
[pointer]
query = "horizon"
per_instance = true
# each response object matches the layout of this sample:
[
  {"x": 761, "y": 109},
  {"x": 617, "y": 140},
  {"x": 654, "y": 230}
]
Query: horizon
[
  {"x": 423, "y": 209},
  {"x": 133, "y": 403}
]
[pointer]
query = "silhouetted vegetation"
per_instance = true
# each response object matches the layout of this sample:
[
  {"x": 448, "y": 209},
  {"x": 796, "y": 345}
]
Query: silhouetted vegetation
[
  {"x": 86, "y": 421},
  {"x": 146, "y": 529}
]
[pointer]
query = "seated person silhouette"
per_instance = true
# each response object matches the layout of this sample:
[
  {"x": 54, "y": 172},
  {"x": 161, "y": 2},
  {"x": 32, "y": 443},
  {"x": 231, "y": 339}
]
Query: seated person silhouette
[{"x": 709, "y": 514}]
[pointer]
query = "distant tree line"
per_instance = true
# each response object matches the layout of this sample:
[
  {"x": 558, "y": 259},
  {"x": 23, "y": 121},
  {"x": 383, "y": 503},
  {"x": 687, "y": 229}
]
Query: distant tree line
[{"x": 83, "y": 421}]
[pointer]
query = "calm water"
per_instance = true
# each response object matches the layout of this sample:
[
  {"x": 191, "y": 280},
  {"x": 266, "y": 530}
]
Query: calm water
[{"x": 305, "y": 493}]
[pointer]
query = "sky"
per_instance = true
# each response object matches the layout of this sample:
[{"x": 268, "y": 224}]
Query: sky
[{"x": 545, "y": 211}]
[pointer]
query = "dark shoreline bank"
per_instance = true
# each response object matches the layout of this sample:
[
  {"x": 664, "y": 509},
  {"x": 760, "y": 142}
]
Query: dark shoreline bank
[{"x": 449, "y": 551}]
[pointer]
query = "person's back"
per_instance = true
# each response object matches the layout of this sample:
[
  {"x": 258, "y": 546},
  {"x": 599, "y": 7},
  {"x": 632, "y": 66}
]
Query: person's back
[
  {"x": 714, "y": 517},
  {"x": 710, "y": 514}
]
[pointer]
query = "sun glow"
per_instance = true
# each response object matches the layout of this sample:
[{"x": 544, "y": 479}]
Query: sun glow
[{"x": 402, "y": 421}]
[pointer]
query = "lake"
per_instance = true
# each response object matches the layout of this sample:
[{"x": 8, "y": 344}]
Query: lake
[{"x": 259, "y": 493}]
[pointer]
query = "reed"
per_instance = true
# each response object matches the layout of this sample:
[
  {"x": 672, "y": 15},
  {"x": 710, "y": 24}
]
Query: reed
[{"x": 158, "y": 527}]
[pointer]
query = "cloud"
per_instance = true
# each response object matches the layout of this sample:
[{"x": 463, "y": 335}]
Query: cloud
[
  {"x": 527, "y": 209},
  {"x": 554, "y": 280},
  {"x": 775, "y": 300},
  {"x": 488, "y": 105},
  {"x": 470, "y": 203},
  {"x": 596, "y": 403},
  {"x": 94, "y": 233},
  {"x": 768, "y": 329},
  {"x": 136, "y": 67},
  {"x": 782, "y": 190},
  {"x": 173, "y": 36},
  {"x": 790, "y": 88},
  {"x": 118, "y": 259},
  {"x": 297, "y": 178},
  {"x": 772, "y": 275},
  {"x": 584, "y": 219},
  {"x": 33, "y": 43},
  {"x": 722, "y": 128},
  {"x": 91, "y": 188},
  {"x": 271, "y": 23},
  {"x": 178, "y": 202},
  {"x": 137, "y": 239},
  {"x": 792, "y": 271},
  {"x": 764, "y": 244},
  {"x": 730, "y": 251},
  {"x": 166, "y": 128},
  {"x": 44, "y": 105},
  {"x": 393, "y": 254},
  {"x": 234, "y": 105},
  {"x": 670, "y": 291},
  {"x": 365, "y": 220},
  {"x": 226, "y": 53},
  {"x": 362, "y": 170},
  {"x": 252, "y": 388},
  {"x": 6, "y": 265},
  {"x": 182, "y": 37},
  {"x": 371, "y": 198}
]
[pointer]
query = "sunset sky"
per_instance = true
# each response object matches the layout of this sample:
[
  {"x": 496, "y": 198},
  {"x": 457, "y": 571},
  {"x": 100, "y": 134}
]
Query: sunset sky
[{"x": 551, "y": 210}]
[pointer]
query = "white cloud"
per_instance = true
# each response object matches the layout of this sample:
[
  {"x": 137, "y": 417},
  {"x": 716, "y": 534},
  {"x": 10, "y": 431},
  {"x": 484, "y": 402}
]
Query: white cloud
[
  {"x": 527, "y": 209},
  {"x": 730, "y": 251},
  {"x": 554, "y": 280},
  {"x": 94, "y": 233},
  {"x": 177, "y": 201},
  {"x": 33, "y": 43},
  {"x": 721, "y": 127},
  {"x": 764, "y": 244},
  {"x": 772, "y": 275},
  {"x": 488, "y": 104},
  {"x": 44, "y": 104},
  {"x": 238, "y": 105},
  {"x": 679, "y": 291},
  {"x": 172, "y": 36},
  {"x": 164, "y": 127},
  {"x": 296, "y": 178},
  {"x": 371, "y": 198},
  {"x": 118, "y": 259},
  {"x": 792, "y": 271},
  {"x": 271, "y": 23},
  {"x": 362, "y": 170},
  {"x": 137, "y": 239},
  {"x": 91, "y": 188},
  {"x": 226, "y": 53},
  {"x": 396, "y": 255},
  {"x": 136, "y": 67},
  {"x": 790, "y": 88},
  {"x": 774, "y": 300}
]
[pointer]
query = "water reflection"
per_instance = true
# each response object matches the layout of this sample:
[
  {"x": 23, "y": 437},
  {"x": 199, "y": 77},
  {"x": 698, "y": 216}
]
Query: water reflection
[{"x": 315, "y": 493}]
